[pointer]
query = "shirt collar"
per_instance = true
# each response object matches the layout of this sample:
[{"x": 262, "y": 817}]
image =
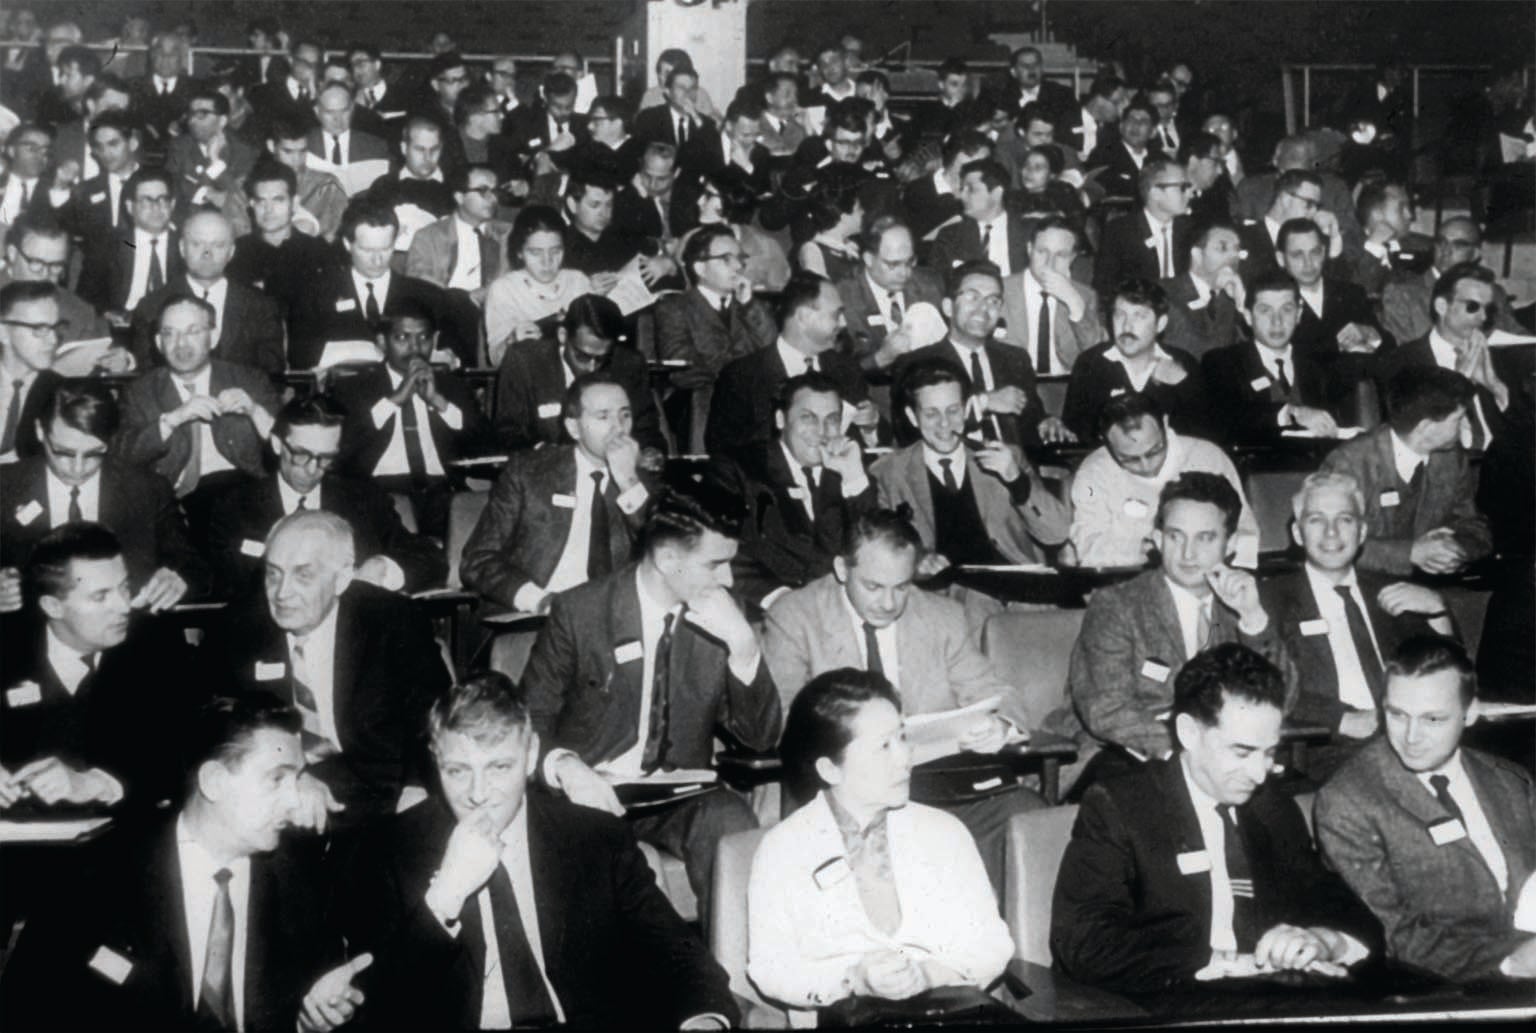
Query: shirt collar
[
  {"x": 1404, "y": 458},
  {"x": 1202, "y": 800},
  {"x": 793, "y": 358},
  {"x": 380, "y": 285},
  {"x": 1269, "y": 357},
  {"x": 714, "y": 297},
  {"x": 1322, "y": 587},
  {"x": 60, "y": 653},
  {"x": 848, "y": 825},
  {"x": 1452, "y": 769},
  {"x": 652, "y": 610},
  {"x": 796, "y": 468},
  {"x": 321, "y": 641},
  {"x": 196, "y": 856},
  {"x": 941, "y": 183},
  {"x": 1444, "y": 351},
  {"x": 931, "y": 460},
  {"x": 436, "y": 177},
  {"x": 290, "y": 497},
  {"x": 199, "y": 384}
]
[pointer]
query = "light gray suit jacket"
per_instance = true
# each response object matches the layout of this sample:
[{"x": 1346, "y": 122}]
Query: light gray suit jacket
[
  {"x": 1068, "y": 339},
  {"x": 435, "y": 249}
]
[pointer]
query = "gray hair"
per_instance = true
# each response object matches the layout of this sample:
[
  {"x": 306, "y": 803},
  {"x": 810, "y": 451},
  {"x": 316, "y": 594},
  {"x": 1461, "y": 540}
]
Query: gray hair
[
  {"x": 1323, "y": 480},
  {"x": 340, "y": 541}
]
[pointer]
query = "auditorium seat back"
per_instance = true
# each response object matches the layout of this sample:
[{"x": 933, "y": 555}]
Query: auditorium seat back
[
  {"x": 728, "y": 926},
  {"x": 1036, "y": 842},
  {"x": 463, "y": 513},
  {"x": 1032, "y": 650}
]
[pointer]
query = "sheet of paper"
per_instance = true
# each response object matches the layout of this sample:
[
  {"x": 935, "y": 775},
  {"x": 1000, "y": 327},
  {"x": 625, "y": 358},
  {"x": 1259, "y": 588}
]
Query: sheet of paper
[
  {"x": 1525, "y": 907},
  {"x": 413, "y": 219},
  {"x": 61, "y": 830},
  {"x": 1302, "y": 434},
  {"x": 1505, "y": 339},
  {"x": 679, "y": 777},
  {"x": 936, "y": 735},
  {"x": 79, "y": 358},
  {"x": 1493, "y": 710},
  {"x": 355, "y": 177},
  {"x": 924, "y": 325},
  {"x": 1007, "y": 568},
  {"x": 631, "y": 293}
]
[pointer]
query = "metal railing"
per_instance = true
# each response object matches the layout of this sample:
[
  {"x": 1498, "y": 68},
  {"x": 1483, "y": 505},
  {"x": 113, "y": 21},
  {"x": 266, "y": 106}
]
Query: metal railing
[{"x": 1301, "y": 118}]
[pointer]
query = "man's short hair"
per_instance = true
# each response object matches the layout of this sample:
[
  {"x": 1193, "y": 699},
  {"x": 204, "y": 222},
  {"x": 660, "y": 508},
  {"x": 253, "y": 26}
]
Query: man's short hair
[
  {"x": 311, "y": 410},
  {"x": 682, "y": 514},
  {"x": 185, "y": 298},
  {"x": 1200, "y": 145},
  {"x": 41, "y": 223},
  {"x": 363, "y": 212},
  {"x": 742, "y": 107},
  {"x": 147, "y": 174},
  {"x": 869, "y": 240},
  {"x": 811, "y": 380},
  {"x": 1153, "y": 168},
  {"x": 1142, "y": 104},
  {"x": 1287, "y": 181},
  {"x": 287, "y": 127},
  {"x": 558, "y": 84},
  {"x": 1201, "y": 238},
  {"x": 333, "y": 526},
  {"x": 966, "y": 141},
  {"x": 417, "y": 123},
  {"x": 485, "y": 707},
  {"x": 1374, "y": 197},
  {"x": 1419, "y": 393},
  {"x": 106, "y": 83},
  {"x": 678, "y": 72},
  {"x": 1146, "y": 293},
  {"x": 1323, "y": 480},
  {"x": 1273, "y": 280},
  {"x": 597, "y": 315},
  {"x": 458, "y": 179},
  {"x": 1446, "y": 283},
  {"x": 774, "y": 80},
  {"x": 442, "y": 63},
  {"x": 268, "y": 170},
  {"x": 470, "y": 101},
  {"x": 570, "y": 406},
  {"x": 47, "y": 569},
  {"x": 1033, "y": 112},
  {"x": 957, "y": 275},
  {"x": 224, "y": 729},
  {"x": 802, "y": 290},
  {"x": 1051, "y": 155},
  {"x": 1126, "y": 411},
  {"x": 125, "y": 122},
  {"x": 953, "y": 66},
  {"x": 1422, "y": 655},
  {"x": 991, "y": 172},
  {"x": 848, "y": 115},
  {"x": 22, "y": 292},
  {"x": 613, "y": 106},
  {"x": 1226, "y": 671},
  {"x": 208, "y": 91},
  {"x": 659, "y": 149},
  {"x": 592, "y": 177},
  {"x": 886, "y": 526},
  {"x": 1201, "y": 486},
  {"x": 85, "y": 405},
  {"x": 1106, "y": 86},
  {"x": 928, "y": 373},
  {"x": 1055, "y": 222},
  {"x": 409, "y": 308},
  {"x": 873, "y": 77},
  {"x": 700, "y": 244},
  {"x": 82, "y": 58},
  {"x": 1295, "y": 227},
  {"x": 676, "y": 57},
  {"x": 357, "y": 47}
]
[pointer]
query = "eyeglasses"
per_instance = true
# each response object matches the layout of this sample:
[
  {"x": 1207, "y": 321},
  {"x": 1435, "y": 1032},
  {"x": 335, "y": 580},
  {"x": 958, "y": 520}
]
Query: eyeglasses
[
  {"x": 1182, "y": 188},
  {"x": 733, "y": 257},
  {"x": 1312, "y": 204},
  {"x": 304, "y": 457},
  {"x": 1473, "y": 307},
  {"x": 193, "y": 334},
  {"x": 483, "y": 191},
  {"x": 56, "y": 329},
  {"x": 52, "y": 268},
  {"x": 163, "y": 200}
]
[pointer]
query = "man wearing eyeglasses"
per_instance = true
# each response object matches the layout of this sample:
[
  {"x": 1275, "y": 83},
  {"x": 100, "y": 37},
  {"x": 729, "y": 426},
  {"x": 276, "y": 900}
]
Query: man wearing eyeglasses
[
  {"x": 24, "y": 187},
  {"x": 463, "y": 251},
  {"x": 1124, "y": 155},
  {"x": 876, "y": 303},
  {"x": 37, "y": 251},
  {"x": 1406, "y": 312},
  {"x": 74, "y": 479},
  {"x": 1151, "y": 243},
  {"x": 207, "y": 161},
  {"x": 29, "y": 338},
  {"x": 1298, "y": 195},
  {"x": 306, "y": 438},
  {"x": 715, "y": 320},
  {"x": 139, "y": 258}
]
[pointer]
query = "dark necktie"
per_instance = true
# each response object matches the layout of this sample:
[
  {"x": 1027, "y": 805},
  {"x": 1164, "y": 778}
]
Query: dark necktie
[
  {"x": 336, "y": 150},
  {"x": 371, "y": 304},
  {"x": 599, "y": 561},
  {"x": 12, "y": 416},
  {"x": 215, "y": 998},
  {"x": 75, "y": 514},
  {"x": 1240, "y": 876},
  {"x": 950, "y": 485},
  {"x": 872, "y": 663},
  {"x": 978, "y": 379},
  {"x": 1043, "y": 337},
  {"x": 1442, "y": 786},
  {"x": 986, "y": 240},
  {"x": 303, "y": 93},
  {"x": 411, "y": 429},
  {"x": 1281, "y": 380},
  {"x": 655, "y": 754},
  {"x": 156, "y": 270},
  {"x": 303, "y": 502},
  {"x": 26, "y": 194},
  {"x": 682, "y": 131},
  {"x": 810, "y": 489},
  {"x": 897, "y": 313},
  {"x": 1360, "y": 635},
  {"x": 527, "y": 999},
  {"x": 1416, "y": 481}
]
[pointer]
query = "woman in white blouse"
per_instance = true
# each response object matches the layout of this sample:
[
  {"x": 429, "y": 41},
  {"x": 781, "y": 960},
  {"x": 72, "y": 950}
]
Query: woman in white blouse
[
  {"x": 536, "y": 286},
  {"x": 861, "y": 891}
]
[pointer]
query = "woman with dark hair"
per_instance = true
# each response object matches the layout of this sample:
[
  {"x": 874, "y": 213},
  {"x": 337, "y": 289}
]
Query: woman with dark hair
[
  {"x": 861, "y": 892},
  {"x": 1041, "y": 190},
  {"x": 536, "y": 284},
  {"x": 727, "y": 198},
  {"x": 833, "y": 217}
]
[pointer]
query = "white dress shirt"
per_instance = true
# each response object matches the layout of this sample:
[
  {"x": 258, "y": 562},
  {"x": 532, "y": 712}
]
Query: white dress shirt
[
  {"x": 164, "y": 86},
  {"x": 1188, "y": 606},
  {"x": 572, "y": 568},
  {"x": 198, "y": 892},
  {"x": 1213, "y": 830},
  {"x": 214, "y": 294},
  {"x": 138, "y": 286},
  {"x": 18, "y": 192},
  {"x": 883, "y": 303},
  {"x": 1034, "y": 295},
  {"x": 58, "y": 498},
  {"x": 1473, "y": 816},
  {"x": 796, "y": 362},
  {"x": 1354, "y": 689},
  {"x": 652, "y": 619},
  {"x": 1404, "y": 459},
  {"x": 312, "y": 660},
  {"x": 69, "y": 664},
  {"x": 997, "y": 243},
  {"x": 210, "y": 459},
  {"x": 11, "y": 396},
  {"x": 805, "y": 490},
  {"x": 466, "y": 274},
  {"x": 1139, "y": 378},
  {"x": 1162, "y": 241},
  {"x": 360, "y": 289},
  {"x": 394, "y": 460},
  {"x": 1312, "y": 297},
  {"x": 1445, "y": 357},
  {"x": 1272, "y": 359},
  {"x": 885, "y": 641},
  {"x": 342, "y": 141},
  {"x": 289, "y": 497},
  {"x": 1090, "y": 134},
  {"x": 115, "y": 184},
  {"x": 495, "y": 1009}
]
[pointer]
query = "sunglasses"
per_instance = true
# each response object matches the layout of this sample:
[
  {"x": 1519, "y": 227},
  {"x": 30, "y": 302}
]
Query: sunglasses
[{"x": 1472, "y": 307}]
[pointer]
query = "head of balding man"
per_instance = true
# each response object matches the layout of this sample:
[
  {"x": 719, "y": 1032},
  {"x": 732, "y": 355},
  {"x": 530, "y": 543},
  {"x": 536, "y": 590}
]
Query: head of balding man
[
  {"x": 207, "y": 244},
  {"x": 1295, "y": 152},
  {"x": 309, "y": 562}
]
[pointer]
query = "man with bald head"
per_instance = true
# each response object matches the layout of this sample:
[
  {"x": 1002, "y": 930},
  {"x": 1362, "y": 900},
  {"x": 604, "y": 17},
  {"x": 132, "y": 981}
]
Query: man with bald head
[
  {"x": 1405, "y": 308},
  {"x": 247, "y": 325},
  {"x": 877, "y": 298},
  {"x": 355, "y": 660}
]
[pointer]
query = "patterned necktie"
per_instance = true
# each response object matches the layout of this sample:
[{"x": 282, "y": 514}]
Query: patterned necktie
[
  {"x": 1360, "y": 635},
  {"x": 599, "y": 561},
  {"x": 75, "y": 514},
  {"x": 1442, "y": 786},
  {"x": 1203, "y": 626},
  {"x": 12, "y": 417},
  {"x": 897, "y": 313},
  {"x": 215, "y": 998},
  {"x": 311, "y": 731},
  {"x": 872, "y": 661},
  {"x": 655, "y": 754},
  {"x": 950, "y": 484},
  {"x": 1240, "y": 876},
  {"x": 1043, "y": 337},
  {"x": 156, "y": 270}
]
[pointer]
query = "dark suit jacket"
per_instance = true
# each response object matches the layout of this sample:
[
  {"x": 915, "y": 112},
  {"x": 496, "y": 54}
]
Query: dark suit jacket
[
  {"x": 1129, "y": 921},
  {"x": 583, "y": 699},
  {"x": 688, "y": 327},
  {"x": 530, "y": 390},
  {"x": 521, "y": 533},
  {"x": 780, "y": 545},
  {"x": 387, "y": 670},
  {"x": 1245, "y": 402},
  {"x": 705, "y": 154},
  {"x": 159, "y": 112},
  {"x": 1010, "y": 368},
  {"x": 153, "y": 394},
  {"x": 250, "y": 333},
  {"x": 1258, "y": 250},
  {"x": 286, "y": 273},
  {"x": 1096, "y": 379},
  {"x": 1121, "y": 175},
  {"x": 659, "y": 123},
  {"x": 527, "y": 127},
  {"x": 615, "y": 951},
  {"x": 361, "y": 146},
  {"x": 363, "y": 444},
  {"x": 89, "y": 212},
  {"x": 106, "y": 268},
  {"x": 1198, "y": 330},
  {"x": 332, "y": 311},
  {"x": 1343, "y": 303},
  {"x": 636, "y": 218},
  {"x": 186, "y": 161},
  {"x": 1419, "y": 355},
  {"x": 864, "y": 314},
  {"x": 1447, "y": 499},
  {"x": 1124, "y": 252},
  {"x": 741, "y": 412},
  {"x": 1055, "y": 97},
  {"x": 239, "y": 519},
  {"x": 135, "y": 504},
  {"x": 1440, "y": 904},
  {"x": 33, "y": 408},
  {"x": 961, "y": 242}
]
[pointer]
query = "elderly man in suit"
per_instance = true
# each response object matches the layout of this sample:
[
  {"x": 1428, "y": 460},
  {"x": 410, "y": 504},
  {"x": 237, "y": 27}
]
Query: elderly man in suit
[
  {"x": 987, "y": 229},
  {"x": 868, "y": 614},
  {"x": 356, "y": 661},
  {"x": 203, "y": 918},
  {"x": 742, "y": 406},
  {"x": 207, "y": 160},
  {"x": 1407, "y": 310},
  {"x": 335, "y": 142},
  {"x": 641, "y": 669},
  {"x": 247, "y": 325},
  {"x": 1151, "y": 243},
  {"x": 74, "y": 479},
  {"x": 161, "y": 96},
  {"x": 1137, "y": 635},
  {"x": 1439, "y": 840},
  {"x": 307, "y": 441},
  {"x": 566, "y": 513},
  {"x": 1191, "y": 863},
  {"x": 140, "y": 257},
  {"x": 877, "y": 299},
  {"x": 1419, "y": 488},
  {"x": 199, "y": 422},
  {"x": 1051, "y": 316},
  {"x": 1204, "y": 301},
  {"x": 495, "y": 905},
  {"x": 1340, "y": 623}
]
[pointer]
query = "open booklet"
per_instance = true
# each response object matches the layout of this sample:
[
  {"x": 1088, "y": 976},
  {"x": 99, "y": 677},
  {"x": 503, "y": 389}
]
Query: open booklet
[
  {"x": 936, "y": 735},
  {"x": 356, "y": 176}
]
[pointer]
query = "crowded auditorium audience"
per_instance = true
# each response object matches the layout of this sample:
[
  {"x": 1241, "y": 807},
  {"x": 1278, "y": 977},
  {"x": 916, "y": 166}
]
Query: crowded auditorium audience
[{"x": 482, "y": 546}]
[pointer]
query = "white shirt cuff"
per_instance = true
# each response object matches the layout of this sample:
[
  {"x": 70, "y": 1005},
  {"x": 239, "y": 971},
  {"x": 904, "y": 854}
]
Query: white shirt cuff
[
  {"x": 773, "y": 596},
  {"x": 1354, "y": 951},
  {"x": 632, "y": 498},
  {"x": 382, "y": 412},
  {"x": 745, "y": 667},
  {"x": 113, "y": 789},
  {"x": 439, "y": 908},
  {"x": 526, "y": 598},
  {"x": 453, "y": 417},
  {"x": 215, "y": 169},
  {"x": 552, "y": 758},
  {"x": 394, "y": 577},
  {"x": 854, "y": 488}
]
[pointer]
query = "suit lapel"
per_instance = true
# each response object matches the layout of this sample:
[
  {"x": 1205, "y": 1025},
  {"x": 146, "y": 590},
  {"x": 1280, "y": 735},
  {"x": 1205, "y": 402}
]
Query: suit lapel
[
  {"x": 1318, "y": 647},
  {"x": 172, "y": 905},
  {"x": 549, "y": 866},
  {"x": 1184, "y": 835},
  {"x": 260, "y": 937},
  {"x": 348, "y": 654},
  {"x": 1502, "y": 820},
  {"x": 922, "y": 494},
  {"x": 624, "y": 681},
  {"x": 1168, "y": 615},
  {"x": 1422, "y": 805}
]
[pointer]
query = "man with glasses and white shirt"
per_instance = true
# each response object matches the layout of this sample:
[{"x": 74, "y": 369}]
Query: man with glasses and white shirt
[
  {"x": 38, "y": 251},
  {"x": 1298, "y": 195},
  {"x": 1153, "y": 242},
  {"x": 139, "y": 258},
  {"x": 29, "y": 338}
]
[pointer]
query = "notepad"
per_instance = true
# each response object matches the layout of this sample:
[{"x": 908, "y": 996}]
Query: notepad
[{"x": 50, "y": 830}]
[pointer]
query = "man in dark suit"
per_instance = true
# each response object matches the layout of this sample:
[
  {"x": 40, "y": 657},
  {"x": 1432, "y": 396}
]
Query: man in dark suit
[
  {"x": 160, "y": 98},
  {"x": 494, "y": 876},
  {"x": 988, "y": 230},
  {"x": 1152, "y": 242},
  {"x": 1094, "y": 122},
  {"x": 292, "y": 96},
  {"x": 540, "y": 132},
  {"x": 74, "y": 479},
  {"x": 100, "y": 203},
  {"x": 1047, "y": 314},
  {"x": 29, "y": 340},
  {"x": 117, "y": 271},
  {"x": 1189, "y": 864},
  {"x": 563, "y": 514},
  {"x": 1137, "y": 635},
  {"x": 307, "y": 441},
  {"x": 1211, "y": 196},
  {"x": 1259, "y": 388},
  {"x": 643, "y": 668},
  {"x": 741, "y": 413},
  {"x": 357, "y": 662},
  {"x": 1204, "y": 301},
  {"x": 934, "y": 200},
  {"x": 87, "y": 685},
  {"x": 1342, "y": 624},
  {"x": 659, "y": 203},
  {"x": 275, "y": 258},
  {"x": 381, "y": 105},
  {"x": 1419, "y": 488},
  {"x": 248, "y": 328},
  {"x": 1134, "y": 360},
  {"x": 1297, "y": 194},
  {"x": 207, "y": 160},
  {"x": 677, "y": 121},
  {"x": 1124, "y": 155},
  {"x": 406, "y": 421},
  {"x": 1027, "y": 85},
  {"x": 733, "y": 144},
  {"x": 877, "y": 299},
  {"x": 535, "y": 376},
  {"x": 335, "y": 143},
  {"x": 1448, "y": 898}
]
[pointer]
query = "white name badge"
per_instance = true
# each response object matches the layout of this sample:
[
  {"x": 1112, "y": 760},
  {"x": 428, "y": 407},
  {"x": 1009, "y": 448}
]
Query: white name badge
[
  {"x": 876, "y": 319},
  {"x": 549, "y": 410},
  {"x": 251, "y": 547},
  {"x": 28, "y": 513},
  {"x": 1451, "y": 830},
  {"x": 832, "y": 873},
  {"x": 270, "y": 671},
  {"x": 346, "y": 304},
  {"x": 627, "y": 652},
  {"x": 537, "y": 141},
  {"x": 1116, "y": 392},
  {"x": 563, "y": 501},
  {"x": 1314, "y": 627},
  {"x": 1259, "y": 383},
  {"x": 796, "y": 492},
  {"x": 1390, "y": 498},
  {"x": 1154, "y": 670},
  {"x": 1136, "y": 509},
  {"x": 1194, "y": 862},
  {"x": 98, "y": 199},
  {"x": 24, "y": 695},
  {"x": 111, "y": 964},
  {"x": 1151, "y": 242}
]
